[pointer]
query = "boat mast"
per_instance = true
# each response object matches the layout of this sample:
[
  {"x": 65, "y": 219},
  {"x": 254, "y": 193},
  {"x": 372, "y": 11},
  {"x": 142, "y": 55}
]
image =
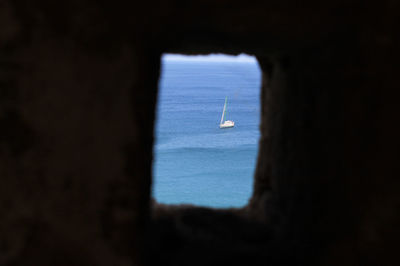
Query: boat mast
[
  {"x": 223, "y": 112},
  {"x": 226, "y": 108}
]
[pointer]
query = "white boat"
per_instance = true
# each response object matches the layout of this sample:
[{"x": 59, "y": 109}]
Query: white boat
[{"x": 225, "y": 123}]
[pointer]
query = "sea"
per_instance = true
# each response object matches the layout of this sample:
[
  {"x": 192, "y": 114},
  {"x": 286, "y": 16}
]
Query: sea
[{"x": 196, "y": 162}]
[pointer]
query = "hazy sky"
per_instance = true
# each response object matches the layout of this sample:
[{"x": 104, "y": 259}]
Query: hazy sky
[{"x": 211, "y": 57}]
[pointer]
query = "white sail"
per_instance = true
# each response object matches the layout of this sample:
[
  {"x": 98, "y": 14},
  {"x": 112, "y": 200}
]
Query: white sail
[{"x": 223, "y": 112}]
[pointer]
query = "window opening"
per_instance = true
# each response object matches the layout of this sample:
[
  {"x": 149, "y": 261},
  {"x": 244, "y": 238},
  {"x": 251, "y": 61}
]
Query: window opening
[{"x": 207, "y": 130}]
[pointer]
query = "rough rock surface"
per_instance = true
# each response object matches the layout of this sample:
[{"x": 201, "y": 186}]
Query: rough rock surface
[{"x": 78, "y": 87}]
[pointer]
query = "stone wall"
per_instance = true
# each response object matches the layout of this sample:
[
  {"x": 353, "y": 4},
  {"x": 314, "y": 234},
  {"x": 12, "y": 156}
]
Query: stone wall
[{"x": 78, "y": 87}]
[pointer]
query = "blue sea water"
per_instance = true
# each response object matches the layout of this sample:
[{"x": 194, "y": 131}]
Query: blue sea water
[{"x": 196, "y": 162}]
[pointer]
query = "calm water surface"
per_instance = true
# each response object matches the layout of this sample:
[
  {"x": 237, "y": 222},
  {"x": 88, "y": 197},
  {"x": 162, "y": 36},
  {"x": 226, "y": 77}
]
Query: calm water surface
[{"x": 194, "y": 161}]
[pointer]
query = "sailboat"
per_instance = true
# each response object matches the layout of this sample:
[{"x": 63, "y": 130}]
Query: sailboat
[{"x": 225, "y": 123}]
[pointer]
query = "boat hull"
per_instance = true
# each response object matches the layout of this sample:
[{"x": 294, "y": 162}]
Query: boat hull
[{"x": 227, "y": 124}]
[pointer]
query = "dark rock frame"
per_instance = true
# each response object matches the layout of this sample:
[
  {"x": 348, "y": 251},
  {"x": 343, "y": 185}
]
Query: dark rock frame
[{"x": 78, "y": 85}]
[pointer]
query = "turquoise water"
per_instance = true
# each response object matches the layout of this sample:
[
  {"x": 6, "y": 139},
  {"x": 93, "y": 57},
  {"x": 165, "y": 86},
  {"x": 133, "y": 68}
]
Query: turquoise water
[{"x": 194, "y": 161}]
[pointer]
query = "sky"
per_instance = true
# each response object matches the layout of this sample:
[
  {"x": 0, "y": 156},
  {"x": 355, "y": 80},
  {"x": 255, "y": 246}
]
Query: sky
[{"x": 211, "y": 57}]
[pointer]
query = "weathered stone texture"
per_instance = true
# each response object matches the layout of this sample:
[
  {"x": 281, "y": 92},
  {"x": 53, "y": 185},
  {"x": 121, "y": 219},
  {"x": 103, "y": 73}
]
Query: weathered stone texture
[{"x": 78, "y": 86}]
